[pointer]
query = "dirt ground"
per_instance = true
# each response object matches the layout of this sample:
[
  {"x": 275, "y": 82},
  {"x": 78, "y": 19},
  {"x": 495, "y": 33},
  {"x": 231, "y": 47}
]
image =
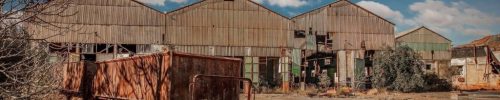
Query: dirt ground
[{"x": 482, "y": 95}]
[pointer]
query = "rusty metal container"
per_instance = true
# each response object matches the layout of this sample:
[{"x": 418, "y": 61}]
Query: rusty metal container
[
  {"x": 164, "y": 76},
  {"x": 73, "y": 74}
]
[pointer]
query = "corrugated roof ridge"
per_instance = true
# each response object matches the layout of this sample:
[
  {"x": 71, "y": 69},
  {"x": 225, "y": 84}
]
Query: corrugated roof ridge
[{"x": 400, "y": 34}]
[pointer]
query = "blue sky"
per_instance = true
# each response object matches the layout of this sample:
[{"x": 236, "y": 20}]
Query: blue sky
[{"x": 459, "y": 20}]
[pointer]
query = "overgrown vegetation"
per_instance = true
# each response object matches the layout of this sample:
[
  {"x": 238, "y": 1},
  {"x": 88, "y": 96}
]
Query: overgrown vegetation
[
  {"x": 401, "y": 70},
  {"x": 434, "y": 83},
  {"x": 360, "y": 78},
  {"x": 25, "y": 71},
  {"x": 324, "y": 82}
]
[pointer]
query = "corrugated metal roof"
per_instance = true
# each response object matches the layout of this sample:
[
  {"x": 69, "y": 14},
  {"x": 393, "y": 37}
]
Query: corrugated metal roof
[
  {"x": 400, "y": 34},
  {"x": 492, "y": 41}
]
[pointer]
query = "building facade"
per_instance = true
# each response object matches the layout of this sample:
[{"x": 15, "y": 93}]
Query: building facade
[
  {"x": 99, "y": 30},
  {"x": 236, "y": 28},
  {"x": 434, "y": 49},
  {"x": 478, "y": 66},
  {"x": 275, "y": 49},
  {"x": 351, "y": 33}
]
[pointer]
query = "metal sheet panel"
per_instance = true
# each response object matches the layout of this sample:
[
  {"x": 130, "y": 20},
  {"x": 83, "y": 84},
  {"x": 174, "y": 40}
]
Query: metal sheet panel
[
  {"x": 296, "y": 62},
  {"x": 238, "y": 23},
  {"x": 158, "y": 76},
  {"x": 349, "y": 25},
  {"x": 103, "y": 21}
]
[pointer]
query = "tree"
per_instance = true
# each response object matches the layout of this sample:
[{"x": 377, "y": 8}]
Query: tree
[
  {"x": 25, "y": 69},
  {"x": 399, "y": 70}
]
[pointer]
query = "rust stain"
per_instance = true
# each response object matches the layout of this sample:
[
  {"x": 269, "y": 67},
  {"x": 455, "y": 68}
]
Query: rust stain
[{"x": 164, "y": 76}]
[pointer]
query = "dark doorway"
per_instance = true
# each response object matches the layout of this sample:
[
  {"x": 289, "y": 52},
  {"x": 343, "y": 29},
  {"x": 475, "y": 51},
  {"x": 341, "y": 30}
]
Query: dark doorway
[{"x": 89, "y": 57}]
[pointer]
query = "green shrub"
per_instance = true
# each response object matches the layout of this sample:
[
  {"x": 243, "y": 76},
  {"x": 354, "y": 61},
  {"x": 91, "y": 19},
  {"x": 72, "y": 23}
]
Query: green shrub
[
  {"x": 434, "y": 83},
  {"x": 398, "y": 70}
]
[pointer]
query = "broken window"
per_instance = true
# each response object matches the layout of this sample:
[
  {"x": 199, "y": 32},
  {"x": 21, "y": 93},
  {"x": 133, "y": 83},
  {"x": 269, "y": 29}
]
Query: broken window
[
  {"x": 127, "y": 48},
  {"x": 268, "y": 71},
  {"x": 461, "y": 70},
  {"x": 300, "y": 34},
  {"x": 104, "y": 48},
  {"x": 89, "y": 57},
  {"x": 88, "y": 48},
  {"x": 428, "y": 66},
  {"x": 143, "y": 48},
  {"x": 62, "y": 47}
]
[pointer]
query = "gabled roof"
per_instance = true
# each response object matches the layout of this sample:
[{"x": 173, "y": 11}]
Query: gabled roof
[
  {"x": 404, "y": 33},
  {"x": 328, "y": 5},
  {"x": 201, "y": 1}
]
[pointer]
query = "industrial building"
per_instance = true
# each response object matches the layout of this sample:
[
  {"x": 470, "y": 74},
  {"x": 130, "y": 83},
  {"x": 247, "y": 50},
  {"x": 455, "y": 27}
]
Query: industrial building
[
  {"x": 348, "y": 33},
  {"x": 435, "y": 49},
  {"x": 276, "y": 50},
  {"x": 478, "y": 64},
  {"x": 97, "y": 30},
  {"x": 236, "y": 28}
]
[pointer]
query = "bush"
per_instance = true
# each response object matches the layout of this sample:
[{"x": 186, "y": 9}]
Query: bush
[
  {"x": 398, "y": 70},
  {"x": 434, "y": 83}
]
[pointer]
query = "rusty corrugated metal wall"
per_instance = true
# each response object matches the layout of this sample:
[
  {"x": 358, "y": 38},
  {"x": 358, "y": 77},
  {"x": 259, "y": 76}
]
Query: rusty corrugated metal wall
[
  {"x": 184, "y": 67},
  {"x": 104, "y": 21},
  {"x": 134, "y": 78},
  {"x": 72, "y": 78},
  {"x": 348, "y": 25},
  {"x": 158, "y": 76},
  {"x": 228, "y": 28}
]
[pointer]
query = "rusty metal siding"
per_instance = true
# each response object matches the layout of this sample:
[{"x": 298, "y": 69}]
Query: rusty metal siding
[
  {"x": 232, "y": 25},
  {"x": 104, "y": 21},
  {"x": 72, "y": 78},
  {"x": 133, "y": 78},
  {"x": 184, "y": 67},
  {"x": 348, "y": 25},
  {"x": 147, "y": 77}
]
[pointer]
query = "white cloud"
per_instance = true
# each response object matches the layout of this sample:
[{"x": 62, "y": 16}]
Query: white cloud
[
  {"x": 457, "y": 17},
  {"x": 384, "y": 11},
  {"x": 258, "y": 1},
  {"x": 178, "y": 1},
  {"x": 161, "y": 2},
  {"x": 284, "y": 3},
  {"x": 153, "y": 2}
]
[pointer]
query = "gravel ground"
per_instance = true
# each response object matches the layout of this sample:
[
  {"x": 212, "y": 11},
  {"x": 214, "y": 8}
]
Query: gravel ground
[{"x": 483, "y": 95}]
